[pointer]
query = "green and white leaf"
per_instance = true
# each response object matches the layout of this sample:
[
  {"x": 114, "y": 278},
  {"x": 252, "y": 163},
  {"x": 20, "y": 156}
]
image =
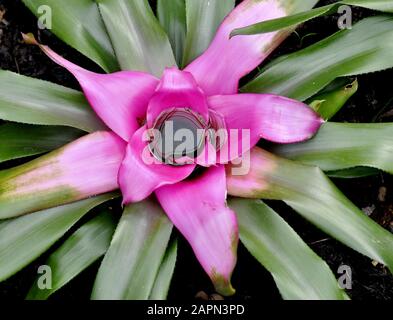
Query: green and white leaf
[
  {"x": 298, "y": 272},
  {"x": 33, "y": 101},
  {"x": 78, "y": 23},
  {"x": 132, "y": 263},
  {"x": 79, "y": 251},
  {"x": 139, "y": 41},
  {"x": 292, "y": 20},
  {"x": 172, "y": 16},
  {"x": 164, "y": 276},
  {"x": 340, "y": 146},
  {"x": 352, "y": 173},
  {"x": 368, "y": 47},
  {"x": 25, "y": 238},
  {"x": 21, "y": 140},
  {"x": 203, "y": 20}
]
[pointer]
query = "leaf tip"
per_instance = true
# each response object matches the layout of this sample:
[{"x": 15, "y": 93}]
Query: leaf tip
[
  {"x": 223, "y": 285},
  {"x": 29, "y": 38},
  {"x": 234, "y": 33}
]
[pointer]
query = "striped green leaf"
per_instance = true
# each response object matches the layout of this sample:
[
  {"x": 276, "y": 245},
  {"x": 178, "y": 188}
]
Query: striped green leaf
[
  {"x": 21, "y": 140},
  {"x": 33, "y": 101},
  {"x": 164, "y": 276},
  {"x": 340, "y": 146},
  {"x": 289, "y": 21},
  {"x": 203, "y": 20},
  {"x": 367, "y": 47},
  {"x": 172, "y": 16},
  {"x": 78, "y": 23},
  {"x": 79, "y": 251},
  {"x": 298, "y": 272},
  {"x": 352, "y": 173},
  {"x": 133, "y": 260},
  {"x": 25, "y": 238},
  {"x": 139, "y": 41}
]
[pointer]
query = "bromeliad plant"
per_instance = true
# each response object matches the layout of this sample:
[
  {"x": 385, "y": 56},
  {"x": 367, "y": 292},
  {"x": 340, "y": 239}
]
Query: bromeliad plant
[{"x": 189, "y": 76}]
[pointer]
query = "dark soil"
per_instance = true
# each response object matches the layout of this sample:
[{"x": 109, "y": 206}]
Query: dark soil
[{"x": 373, "y": 102}]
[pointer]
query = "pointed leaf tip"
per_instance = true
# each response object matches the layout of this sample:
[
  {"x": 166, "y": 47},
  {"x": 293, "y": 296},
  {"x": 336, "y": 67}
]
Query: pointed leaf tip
[
  {"x": 29, "y": 38},
  {"x": 223, "y": 285}
]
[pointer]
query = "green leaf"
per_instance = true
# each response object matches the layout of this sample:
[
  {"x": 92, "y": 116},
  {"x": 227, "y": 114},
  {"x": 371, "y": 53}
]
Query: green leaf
[
  {"x": 164, "y": 276},
  {"x": 172, "y": 16},
  {"x": 78, "y": 252},
  {"x": 328, "y": 102},
  {"x": 298, "y": 272},
  {"x": 139, "y": 41},
  {"x": 78, "y": 23},
  {"x": 21, "y": 140},
  {"x": 352, "y": 173},
  {"x": 309, "y": 192},
  {"x": 340, "y": 146},
  {"x": 295, "y": 6},
  {"x": 292, "y": 20},
  {"x": 25, "y": 238},
  {"x": 368, "y": 47},
  {"x": 203, "y": 20},
  {"x": 380, "y": 5},
  {"x": 28, "y": 100},
  {"x": 134, "y": 257},
  {"x": 285, "y": 22}
]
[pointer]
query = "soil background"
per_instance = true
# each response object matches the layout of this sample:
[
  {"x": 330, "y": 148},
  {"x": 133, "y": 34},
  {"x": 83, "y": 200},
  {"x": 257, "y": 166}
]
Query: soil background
[{"x": 373, "y": 102}]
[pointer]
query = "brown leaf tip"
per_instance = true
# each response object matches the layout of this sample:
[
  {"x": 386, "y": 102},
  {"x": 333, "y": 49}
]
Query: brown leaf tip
[{"x": 29, "y": 38}]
